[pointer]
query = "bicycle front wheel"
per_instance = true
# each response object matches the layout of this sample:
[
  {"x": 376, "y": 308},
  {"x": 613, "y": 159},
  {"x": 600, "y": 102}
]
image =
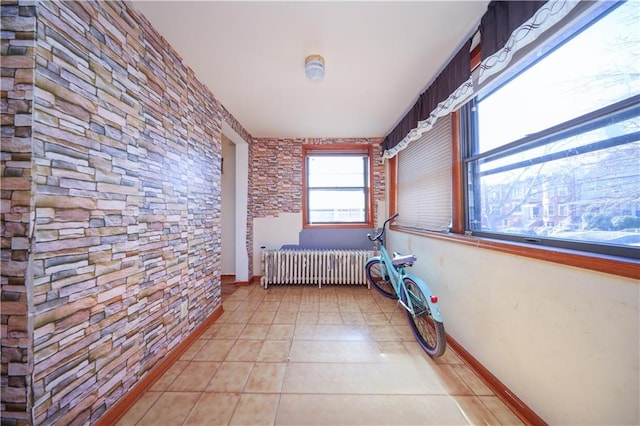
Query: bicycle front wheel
[
  {"x": 428, "y": 332},
  {"x": 379, "y": 278}
]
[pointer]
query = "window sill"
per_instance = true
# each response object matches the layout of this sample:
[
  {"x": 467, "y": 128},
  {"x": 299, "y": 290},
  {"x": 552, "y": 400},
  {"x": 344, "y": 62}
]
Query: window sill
[{"x": 620, "y": 266}]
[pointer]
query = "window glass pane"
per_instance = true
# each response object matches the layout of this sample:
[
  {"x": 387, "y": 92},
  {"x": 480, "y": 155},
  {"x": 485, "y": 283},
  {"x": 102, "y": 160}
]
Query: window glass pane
[
  {"x": 598, "y": 67},
  {"x": 337, "y": 185},
  {"x": 592, "y": 197},
  {"x": 336, "y": 206},
  {"x": 335, "y": 171},
  {"x": 590, "y": 140},
  {"x": 580, "y": 183}
]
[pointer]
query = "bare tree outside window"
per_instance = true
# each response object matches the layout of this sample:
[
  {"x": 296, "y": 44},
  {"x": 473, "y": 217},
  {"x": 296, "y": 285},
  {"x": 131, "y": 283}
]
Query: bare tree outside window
[{"x": 563, "y": 142}]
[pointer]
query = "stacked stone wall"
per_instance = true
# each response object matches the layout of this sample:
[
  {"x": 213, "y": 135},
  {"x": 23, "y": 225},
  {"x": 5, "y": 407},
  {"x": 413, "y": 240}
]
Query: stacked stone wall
[
  {"x": 124, "y": 262},
  {"x": 18, "y": 63},
  {"x": 276, "y": 169},
  {"x": 111, "y": 204}
]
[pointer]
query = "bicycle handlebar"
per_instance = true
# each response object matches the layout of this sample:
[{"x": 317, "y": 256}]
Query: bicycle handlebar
[{"x": 384, "y": 226}]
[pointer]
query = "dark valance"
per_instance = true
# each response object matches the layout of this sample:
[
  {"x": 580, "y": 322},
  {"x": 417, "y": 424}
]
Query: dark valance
[
  {"x": 496, "y": 26},
  {"x": 500, "y": 20},
  {"x": 455, "y": 73}
]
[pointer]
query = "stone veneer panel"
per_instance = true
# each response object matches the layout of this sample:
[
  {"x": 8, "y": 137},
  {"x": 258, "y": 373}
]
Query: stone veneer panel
[
  {"x": 117, "y": 167},
  {"x": 18, "y": 63},
  {"x": 122, "y": 148},
  {"x": 276, "y": 169}
]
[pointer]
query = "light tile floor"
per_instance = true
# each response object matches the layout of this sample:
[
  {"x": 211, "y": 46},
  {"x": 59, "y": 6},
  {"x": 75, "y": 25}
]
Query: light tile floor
[{"x": 308, "y": 356}]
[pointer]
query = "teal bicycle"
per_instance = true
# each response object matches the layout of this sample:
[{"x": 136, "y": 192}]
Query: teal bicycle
[{"x": 388, "y": 276}]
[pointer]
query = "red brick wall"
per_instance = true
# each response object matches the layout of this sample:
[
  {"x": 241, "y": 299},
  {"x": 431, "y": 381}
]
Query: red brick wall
[{"x": 276, "y": 169}]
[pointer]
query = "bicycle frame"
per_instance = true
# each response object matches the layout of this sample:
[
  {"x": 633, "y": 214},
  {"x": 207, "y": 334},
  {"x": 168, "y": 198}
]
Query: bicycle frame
[{"x": 396, "y": 277}]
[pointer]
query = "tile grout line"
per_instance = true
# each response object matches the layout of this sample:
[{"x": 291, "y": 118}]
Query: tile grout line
[{"x": 370, "y": 337}]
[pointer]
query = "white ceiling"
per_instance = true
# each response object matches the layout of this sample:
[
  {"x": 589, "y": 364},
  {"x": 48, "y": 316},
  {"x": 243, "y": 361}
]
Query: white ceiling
[{"x": 379, "y": 57}]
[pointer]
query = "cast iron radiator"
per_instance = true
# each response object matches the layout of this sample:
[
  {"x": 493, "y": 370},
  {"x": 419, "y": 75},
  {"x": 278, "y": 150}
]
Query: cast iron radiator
[{"x": 314, "y": 267}]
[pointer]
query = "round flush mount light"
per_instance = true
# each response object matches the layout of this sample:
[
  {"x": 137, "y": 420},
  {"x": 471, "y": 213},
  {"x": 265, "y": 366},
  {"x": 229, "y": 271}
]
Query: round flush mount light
[{"x": 314, "y": 67}]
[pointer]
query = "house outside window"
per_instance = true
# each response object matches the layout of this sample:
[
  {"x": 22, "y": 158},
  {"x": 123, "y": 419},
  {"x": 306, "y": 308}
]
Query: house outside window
[
  {"x": 337, "y": 185},
  {"x": 564, "y": 129}
]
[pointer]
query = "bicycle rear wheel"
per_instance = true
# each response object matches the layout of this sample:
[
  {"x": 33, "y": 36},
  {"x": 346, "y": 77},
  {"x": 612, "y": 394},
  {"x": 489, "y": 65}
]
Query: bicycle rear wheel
[
  {"x": 379, "y": 278},
  {"x": 428, "y": 332}
]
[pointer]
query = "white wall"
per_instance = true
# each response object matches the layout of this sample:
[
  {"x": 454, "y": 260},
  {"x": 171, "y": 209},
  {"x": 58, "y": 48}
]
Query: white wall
[
  {"x": 236, "y": 170},
  {"x": 274, "y": 232},
  {"x": 228, "y": 260},
  {"x": 564, "y": 340},
  {"x": 242, "y": 200}
]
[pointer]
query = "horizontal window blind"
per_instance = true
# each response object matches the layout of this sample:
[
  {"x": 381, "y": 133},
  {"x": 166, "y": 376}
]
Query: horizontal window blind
[{"x": 425, "y": 180}]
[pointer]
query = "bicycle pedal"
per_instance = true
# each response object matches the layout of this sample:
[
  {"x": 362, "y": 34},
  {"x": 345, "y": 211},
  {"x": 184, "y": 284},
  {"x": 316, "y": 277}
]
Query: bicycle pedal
[{"x": 419, "y": 312}]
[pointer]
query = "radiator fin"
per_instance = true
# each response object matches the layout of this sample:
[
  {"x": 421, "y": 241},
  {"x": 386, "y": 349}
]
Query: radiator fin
[{"x": 314, "y": 267}]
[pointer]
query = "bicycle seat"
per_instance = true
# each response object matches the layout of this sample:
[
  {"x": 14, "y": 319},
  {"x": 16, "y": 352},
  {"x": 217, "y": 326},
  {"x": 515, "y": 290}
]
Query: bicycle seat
[{"x": 403, "y": 259}]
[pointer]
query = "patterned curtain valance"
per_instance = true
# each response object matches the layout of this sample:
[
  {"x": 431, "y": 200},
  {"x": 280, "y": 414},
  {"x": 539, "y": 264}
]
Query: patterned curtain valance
[
  {"x": 506, "y": 28},
  {"x": 442, "y": 96}
]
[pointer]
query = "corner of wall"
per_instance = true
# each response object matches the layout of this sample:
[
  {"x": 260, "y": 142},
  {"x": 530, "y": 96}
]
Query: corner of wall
[{"x": 18, "y": 64}]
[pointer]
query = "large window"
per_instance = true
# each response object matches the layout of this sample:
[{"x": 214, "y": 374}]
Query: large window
[
  {"x": 337, "y": 185},
  {"x": 552, "y": 155}
]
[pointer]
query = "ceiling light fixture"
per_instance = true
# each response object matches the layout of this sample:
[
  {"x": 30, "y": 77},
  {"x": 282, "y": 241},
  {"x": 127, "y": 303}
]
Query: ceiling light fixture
[{"x": 314, "y": 67}]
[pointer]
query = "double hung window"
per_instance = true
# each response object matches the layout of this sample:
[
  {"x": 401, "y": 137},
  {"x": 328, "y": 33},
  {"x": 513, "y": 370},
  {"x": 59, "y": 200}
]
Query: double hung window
[
  {"x": 552, "y": 155},
  {"x": 337, "y": 183}
]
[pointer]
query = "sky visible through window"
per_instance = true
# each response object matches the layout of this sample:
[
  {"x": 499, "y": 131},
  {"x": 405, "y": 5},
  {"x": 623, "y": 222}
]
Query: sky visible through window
[
  {"x": 585, "y": 185},
  {"x": 337, "y": 186},
  {"x": 330, "y": 171},
  {"x": 599, "y": 66}
]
